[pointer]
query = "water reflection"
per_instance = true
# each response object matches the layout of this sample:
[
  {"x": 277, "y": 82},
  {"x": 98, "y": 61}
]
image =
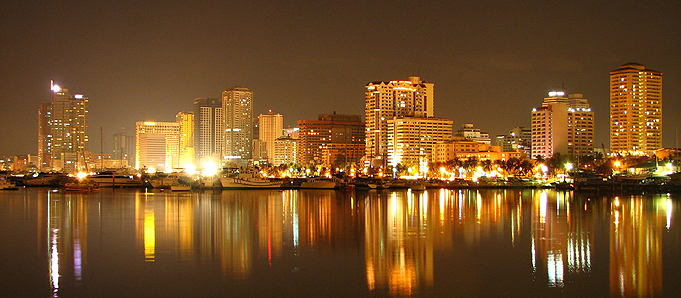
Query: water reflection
[{"x": 397, "y": 243}]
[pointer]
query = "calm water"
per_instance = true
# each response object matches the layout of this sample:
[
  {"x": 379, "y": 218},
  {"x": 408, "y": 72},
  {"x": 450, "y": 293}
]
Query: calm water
[{"x": 310, "y": 243}]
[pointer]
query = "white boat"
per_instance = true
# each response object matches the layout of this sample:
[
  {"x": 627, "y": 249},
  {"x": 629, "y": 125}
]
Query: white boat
[
  {"x": 81, "y": 186},
  {"x": 44, "y": 179},
  {"x": 113, "y": 179},
  {"x": 248, "y": 181},
  {"x": 164, "y": 181},
  {"x": 318, "y": 183}
]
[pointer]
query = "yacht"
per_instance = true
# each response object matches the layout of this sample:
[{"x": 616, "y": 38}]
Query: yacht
[
  {"x": 114, "y": 179},
  {"x": 248, "y": 181}
]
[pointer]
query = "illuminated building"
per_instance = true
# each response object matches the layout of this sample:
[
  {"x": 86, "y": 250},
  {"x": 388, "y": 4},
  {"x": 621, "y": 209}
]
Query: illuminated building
[
  {"x": 285, "y": 151},
  {"x": 237, "y": 106},
  {"x": 518, "y": 139},
  {"x": 464, "y": 149},
  {"x": 562, "y": 125},
  {"x": 386, "y": 100},
  {"x": 635, "y": 109},
  {"x": 411, "y": 139},
  {"x": 67, "y": 140},
  {"x": 44, "y": 137},
  {"x": 271, "y": 127},
  {"x": 157, "y": 145},
  {"x": 208, "y": 132},
  {"x": 330, "y": 139},
  {"x": 469, "y": 132},
  {"x": 186, "y": 122}
]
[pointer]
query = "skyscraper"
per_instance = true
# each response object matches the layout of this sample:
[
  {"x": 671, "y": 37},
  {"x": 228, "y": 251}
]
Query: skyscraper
[
  {"x": 386, "y": 100},
  {"x": 271, "y": 127},
  {"x": 44, "y": 137},
  {"x": 124, "y": 149},
  {"x": 331, "y": 139},
  {"x": 208, "y": 132},
  {"x": 67, "y": 140},
  {"x": 635, "y": 109},
  {"x": 562, "y": 125},
  {"x": 237, "y": 106}
]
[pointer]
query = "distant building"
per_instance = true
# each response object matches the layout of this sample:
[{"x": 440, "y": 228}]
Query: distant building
[
  {"x": 635, "y": 110},
  {"x": 285, "y": 151},
  {"x": 387, "y": 100},
  {"x": 259, "y": 152},
  {"x": 124, "y": 149},
  {"x": 185, "y": 120},
  {"x": 157, "y": 145},
  {"x": 67, "y": 140},
  {"x": 562, "y": 124},
  {"x": 465, "y": 149},
  {"x": 332, "y": 139},
  {"x": 237, "y": 106},
  {"x": 411, "y": 139},
  {"x": 474, "y": 134},
  {"x": 271, "y": 127},
  {"x": 518, "y": 139},
  {"x": 208, "y": 132}
]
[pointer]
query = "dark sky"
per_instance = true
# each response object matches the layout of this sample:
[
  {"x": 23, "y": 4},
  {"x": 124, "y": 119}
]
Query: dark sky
[{"x": 491, "y": 61}]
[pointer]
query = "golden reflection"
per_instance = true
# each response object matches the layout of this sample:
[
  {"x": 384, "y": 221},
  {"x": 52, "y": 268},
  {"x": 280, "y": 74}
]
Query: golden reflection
[
  {"x": 636, "y": 247},
  {"x": 149, "y": 230}
]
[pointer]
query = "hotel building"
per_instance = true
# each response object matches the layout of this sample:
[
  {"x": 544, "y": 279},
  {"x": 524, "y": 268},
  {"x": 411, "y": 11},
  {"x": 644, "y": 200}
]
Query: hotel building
[
  {"x": 157, "y": 145},
  {"x": 285, "y": 151},
  {"x": 271, "y": 127},
  {"x": 237, "y": 106},
  {"x": 330, "y": 139},
  {"x": 635, "y": 109},
  {"x": 387, "y": 100},
  {"x": 411, "y": 139},
  {"x": 562, "y": 124}
]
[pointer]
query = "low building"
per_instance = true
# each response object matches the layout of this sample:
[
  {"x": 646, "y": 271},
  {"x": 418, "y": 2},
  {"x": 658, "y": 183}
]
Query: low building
[{"x": 464, "y": 149}]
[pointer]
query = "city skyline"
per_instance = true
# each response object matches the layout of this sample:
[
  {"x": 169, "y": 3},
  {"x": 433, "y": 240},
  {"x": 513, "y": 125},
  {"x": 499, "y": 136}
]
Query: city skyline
[{"x": 490, "y": 64}]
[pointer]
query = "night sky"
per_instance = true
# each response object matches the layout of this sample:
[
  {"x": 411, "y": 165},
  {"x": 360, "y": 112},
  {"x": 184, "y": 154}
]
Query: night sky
[{"x": 491, "y": 61}]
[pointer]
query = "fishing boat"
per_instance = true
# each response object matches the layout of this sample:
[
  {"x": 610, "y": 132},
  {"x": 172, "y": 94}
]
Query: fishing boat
[{"x": 248, "y": 181}]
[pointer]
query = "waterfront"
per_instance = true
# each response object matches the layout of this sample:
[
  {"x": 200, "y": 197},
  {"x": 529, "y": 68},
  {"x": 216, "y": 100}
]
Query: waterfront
[{"x": 134, "y": 243}]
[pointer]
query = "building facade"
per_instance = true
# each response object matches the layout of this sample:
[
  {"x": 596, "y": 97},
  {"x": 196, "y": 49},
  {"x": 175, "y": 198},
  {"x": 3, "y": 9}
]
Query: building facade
[
  {"x": 386, "y": 100},
  {"x": 66, "y": 143},
  {"x": 271, "y": 127},
  {"x": 285, "y": 151},
  {"x": 464, "y": 149},
  {"x": 518, "y": 139},
  {"x": 157, "y": 145},
  {"x": 332, "y": 139},
  {"x": 237, "y": 107},
  {"x": 124, "y": 149},
  {"x": 185, "y": 120},
  {"x": 562, "y": 125},
  {"x": 208, "y": 132},
  {"x": 411, "y": 139},
  {"x": 469, "y": 132},
  {"x": 635, "y": 109}
]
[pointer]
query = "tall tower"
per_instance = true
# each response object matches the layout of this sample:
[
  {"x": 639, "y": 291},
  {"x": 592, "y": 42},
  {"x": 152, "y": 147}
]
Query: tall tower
[
  {"x": 635, "y": 109},
  {"x": 208, "y": 132},
  {"x": 386, "y": 100},
  {"x": 271, "y": 127},
  {"x": 44, "y": 137},
  {"x": 562, "y": 125},
  {"x": 68, "y": 130},
  {"x": 185, "y": 120},
  {"x": 237, "y": 106}
]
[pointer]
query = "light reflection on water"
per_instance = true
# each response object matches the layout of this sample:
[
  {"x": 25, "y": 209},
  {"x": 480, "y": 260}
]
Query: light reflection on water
[{"x": 330, "y": 243}]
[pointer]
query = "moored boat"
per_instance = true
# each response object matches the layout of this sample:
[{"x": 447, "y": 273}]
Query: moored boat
[
  {"x": 318, "y": 183},
  {"x": 81, "y": 186},
  {"x": 5, "y": 184},
  {"x": 114, "y": 179},
  {"x": 248, "y": 181},
  {"x": 180, "y": 187}
]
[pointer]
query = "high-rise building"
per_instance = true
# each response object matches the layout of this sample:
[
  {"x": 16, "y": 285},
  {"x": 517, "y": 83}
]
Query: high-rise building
[
  {"x": 237, "y": 106},
  {"x": 635, "y": 109},
  {"x": 67, "y": 140},
  {"x": 332, "y": 139},
  {"x": 285, "y": 150},
  {"x": 474, "y": 134},
  {"x": 157, "y": 145},
  {"x": 271, "y": 127},
  {"x": 124, "y": 149},
  {"x": 186, "y": 142},
  {"x": 208, "y": 132},
  {"x": 562, "y": 125},
  {"x": 44, "y": 137},
  {"x": 411, "y": 139},
  {"x": 386, "y": 100}
]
